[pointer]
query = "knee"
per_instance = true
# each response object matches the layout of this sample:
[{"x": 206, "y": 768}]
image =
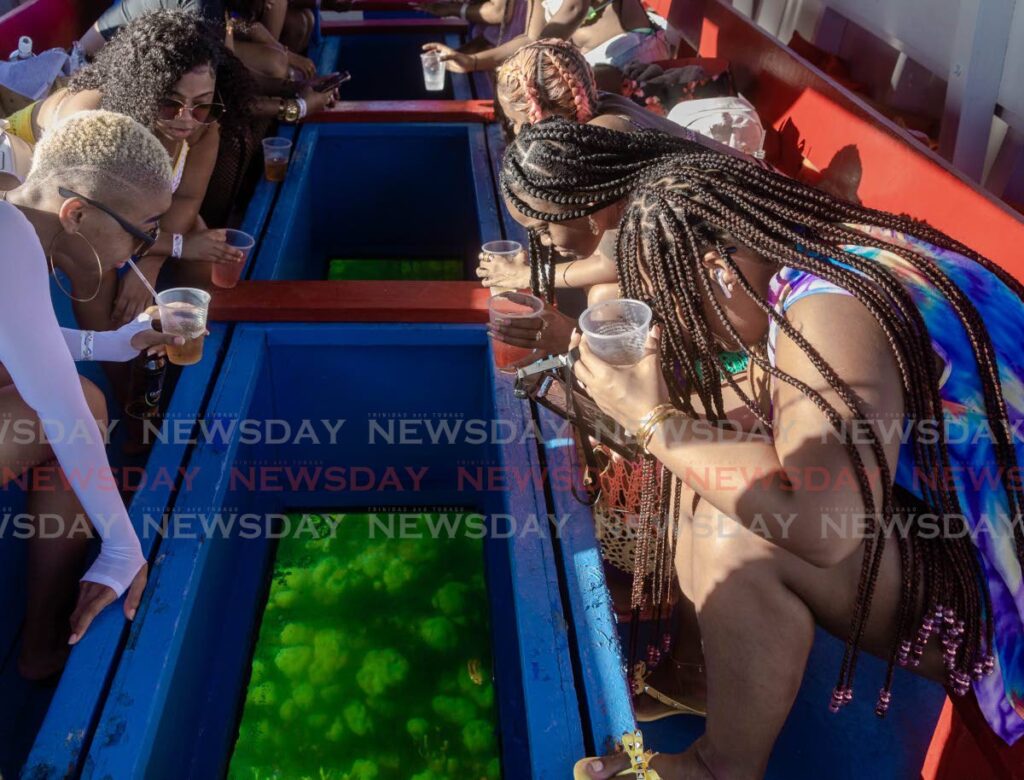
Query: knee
[
  {"x": 275, "y": 63},
  {"x": 96, "y": 400},
  {"x": 602, "y": 292},
  {"x": 727, "y": 556}
]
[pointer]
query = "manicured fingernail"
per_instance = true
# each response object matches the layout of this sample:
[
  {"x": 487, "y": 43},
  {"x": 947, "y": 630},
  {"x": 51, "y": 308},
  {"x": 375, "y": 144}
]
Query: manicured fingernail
[
  {"x": 597, "y": 766},
  {"x": 179, "y": 340},
  {"x": 131, "y": 614},
  {"x": 73, "y": 639}
]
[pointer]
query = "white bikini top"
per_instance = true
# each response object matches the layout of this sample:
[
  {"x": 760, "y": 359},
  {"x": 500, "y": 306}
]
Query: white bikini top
[{"x": 179, "y": 166}]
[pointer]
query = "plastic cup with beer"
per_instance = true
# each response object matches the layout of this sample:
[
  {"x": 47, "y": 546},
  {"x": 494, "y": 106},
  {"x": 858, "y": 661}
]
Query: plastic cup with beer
[
  {"x": 433, "y": 71},
  {"x": 228, "y": 274},
  {"x": 276, "y": 151},
  {"x": 616, "y": 331},
  {"x": 511, "y": 306},
  {"x": 183, "y": 312},
  {"x": 504, "y": 252}
]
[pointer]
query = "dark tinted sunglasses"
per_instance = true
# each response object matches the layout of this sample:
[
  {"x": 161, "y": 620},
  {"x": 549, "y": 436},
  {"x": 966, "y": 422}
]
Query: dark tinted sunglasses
[
  {"x": 169, "y": 109},
  {"x": 146, "y": 238}
]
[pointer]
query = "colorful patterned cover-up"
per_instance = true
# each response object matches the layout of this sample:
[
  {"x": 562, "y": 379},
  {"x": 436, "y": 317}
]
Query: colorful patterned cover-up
[{"x": 979, "y": 486}]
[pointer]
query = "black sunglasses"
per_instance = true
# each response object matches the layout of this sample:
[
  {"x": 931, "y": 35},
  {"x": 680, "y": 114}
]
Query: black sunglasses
[
  {"x": 169, "y": 109},
  {"x": 146, "y": 238}
]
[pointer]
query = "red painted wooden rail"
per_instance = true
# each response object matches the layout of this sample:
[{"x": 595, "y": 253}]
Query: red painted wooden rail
[
  {"x": 817, "y": 117},
  {"x": 384, "y": 26},
  {"x": 406, "y": 111},
  {"x": 341, "y": 301}
]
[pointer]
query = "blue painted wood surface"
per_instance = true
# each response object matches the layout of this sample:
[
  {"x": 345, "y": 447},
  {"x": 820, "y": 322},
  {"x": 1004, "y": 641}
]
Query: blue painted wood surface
[
  {"x": 603, "y": 688},
  {"x": 377, "y": 190},
  {"x": 173, "y": 707},
  {"x": 76, "y": 700}
]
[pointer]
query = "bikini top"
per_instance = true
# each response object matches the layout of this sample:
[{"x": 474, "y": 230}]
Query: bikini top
[
  {"x": 552, "y": 7},
  {"x": 179, "y": 166}
]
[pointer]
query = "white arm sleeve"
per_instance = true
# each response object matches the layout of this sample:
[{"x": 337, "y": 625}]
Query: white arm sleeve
[
  {"x": 110, "y": 345},
  {"x": 35, "y": 353}
]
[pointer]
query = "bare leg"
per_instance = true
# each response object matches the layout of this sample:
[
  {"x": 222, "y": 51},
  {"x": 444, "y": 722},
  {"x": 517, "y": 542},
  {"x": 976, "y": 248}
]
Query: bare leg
[
  {"x": 757, "y": 606},
  {"x": 262, "y": 60},
  {"x": 298, "y": 26},
  {"x": 273, "y": 16},
  {"x": 54, "y": 563}
]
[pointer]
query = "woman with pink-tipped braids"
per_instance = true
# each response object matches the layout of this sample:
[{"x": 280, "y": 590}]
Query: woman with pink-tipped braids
[{"x": 552, "y": 78}]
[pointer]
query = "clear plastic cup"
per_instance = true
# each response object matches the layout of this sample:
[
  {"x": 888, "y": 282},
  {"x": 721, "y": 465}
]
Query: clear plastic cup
[
  {"x": 511, "y": 306},
  {"x": 228, "y": 274},
  {"x": 433, "y": 71},
  {"x": 276, "y": 151},
  {"x": 183, "y": 312},
  {"x": 505, "y": 251},
  {"x": 616, "y": 331}
]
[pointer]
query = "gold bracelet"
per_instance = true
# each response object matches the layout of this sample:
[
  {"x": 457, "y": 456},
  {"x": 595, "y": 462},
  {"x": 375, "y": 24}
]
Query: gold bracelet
[
  {"x": 653, "y": 427},
  {"x": 643, "y": 429}
]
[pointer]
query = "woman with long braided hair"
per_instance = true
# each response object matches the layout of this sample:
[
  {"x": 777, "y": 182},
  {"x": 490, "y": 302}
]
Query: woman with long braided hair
[
  {"x": 866, "y": 480},
  {"x": 552, "y": 78}
]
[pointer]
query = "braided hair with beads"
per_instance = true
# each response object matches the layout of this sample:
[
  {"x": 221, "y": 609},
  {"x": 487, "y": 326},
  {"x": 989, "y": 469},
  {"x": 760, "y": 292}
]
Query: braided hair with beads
[{"x": 681, "y": 198}]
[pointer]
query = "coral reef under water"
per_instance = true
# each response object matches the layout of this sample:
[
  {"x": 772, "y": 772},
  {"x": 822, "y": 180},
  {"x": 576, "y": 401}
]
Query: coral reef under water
[{"x": 373, "y": 660}]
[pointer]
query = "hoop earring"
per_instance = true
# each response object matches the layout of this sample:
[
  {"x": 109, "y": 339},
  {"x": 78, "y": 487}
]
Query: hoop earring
[
  {"x": 720, "y": 278},
  {"x": 53, "y": 268}
]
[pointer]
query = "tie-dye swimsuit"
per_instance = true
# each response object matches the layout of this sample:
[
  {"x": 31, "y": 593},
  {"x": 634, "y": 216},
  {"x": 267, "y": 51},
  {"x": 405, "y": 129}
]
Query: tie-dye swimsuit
[{"x": 972, "y": 454}]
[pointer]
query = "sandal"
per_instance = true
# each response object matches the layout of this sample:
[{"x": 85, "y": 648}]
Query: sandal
[
  {"x": 639, "y": 769},
  {"x": 641, "y": 688}
]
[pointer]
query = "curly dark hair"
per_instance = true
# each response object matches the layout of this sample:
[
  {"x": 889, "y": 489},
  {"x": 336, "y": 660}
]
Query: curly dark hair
[{"x": 151, "y": 54}]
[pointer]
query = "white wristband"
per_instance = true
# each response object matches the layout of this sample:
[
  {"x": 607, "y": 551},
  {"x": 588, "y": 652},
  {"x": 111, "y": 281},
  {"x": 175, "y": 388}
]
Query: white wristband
[
  {"x": 462, "y": 11},
  {"x": 303, "y": 108},
  {"x": 88, "y": 337},
  {"x": 177, "y": 243}
]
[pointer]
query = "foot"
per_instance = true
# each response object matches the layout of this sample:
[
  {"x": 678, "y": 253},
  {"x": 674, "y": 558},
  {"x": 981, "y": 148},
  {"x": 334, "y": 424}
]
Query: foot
[
  {"x": 684, "y": 683},
  {"x": 678, "y": 766}
]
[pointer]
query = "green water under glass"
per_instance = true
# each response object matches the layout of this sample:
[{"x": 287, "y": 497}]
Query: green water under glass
[
  {"x": 373, "y": 660},
  {"x": 416, "y": 270}
]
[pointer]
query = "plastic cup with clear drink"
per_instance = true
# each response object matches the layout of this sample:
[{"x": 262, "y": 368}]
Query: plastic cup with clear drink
[
  {"x": 183, "y": 311},
  {"x": 433, "y": 71},
  {"x": 511, "y": 306},
  {"x": 228, "y": 274},
  {"x": 276, "y": 151},
  {"x": 502, "y": 251},
  {"x": 616, "y": 331}
]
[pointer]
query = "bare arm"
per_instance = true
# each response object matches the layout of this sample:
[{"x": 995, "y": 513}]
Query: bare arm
[
  {"x": 790, "y": 485},
  {"x": 562, "y": 25},
  {"x": 181, "y": 216}
]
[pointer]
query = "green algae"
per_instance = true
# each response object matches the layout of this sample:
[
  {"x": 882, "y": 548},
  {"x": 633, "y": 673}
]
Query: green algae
[{"x": 372, "y": 662}]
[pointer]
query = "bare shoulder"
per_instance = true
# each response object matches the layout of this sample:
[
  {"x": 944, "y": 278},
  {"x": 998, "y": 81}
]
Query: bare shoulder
[{"x": 612, "y": 122}]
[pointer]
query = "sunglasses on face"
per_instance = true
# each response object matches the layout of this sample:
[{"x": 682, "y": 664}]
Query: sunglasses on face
[
  {"x": 169, "y": 109},
  {"x": 146, "y": 238}
]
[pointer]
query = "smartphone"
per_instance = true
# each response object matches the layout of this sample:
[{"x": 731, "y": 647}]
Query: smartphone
[{"x": 330, "y": 82}]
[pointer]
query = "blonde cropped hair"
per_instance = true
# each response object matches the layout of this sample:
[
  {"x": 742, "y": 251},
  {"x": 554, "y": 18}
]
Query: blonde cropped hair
[{"x": 103, "y": 155}]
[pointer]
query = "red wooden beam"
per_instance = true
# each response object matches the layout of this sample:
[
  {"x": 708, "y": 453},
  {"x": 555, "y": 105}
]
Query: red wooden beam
[
  {"x": 818, "y": 120},
  {"x": 406, "y": 111},
  {"x": 339, "y": 301},
  {"x": 379, "y": 26}
]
